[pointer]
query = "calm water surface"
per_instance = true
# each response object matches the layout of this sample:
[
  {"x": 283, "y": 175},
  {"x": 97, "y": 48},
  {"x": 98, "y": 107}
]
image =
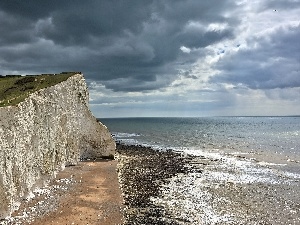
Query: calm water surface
[{"x": 269, "y": 135}]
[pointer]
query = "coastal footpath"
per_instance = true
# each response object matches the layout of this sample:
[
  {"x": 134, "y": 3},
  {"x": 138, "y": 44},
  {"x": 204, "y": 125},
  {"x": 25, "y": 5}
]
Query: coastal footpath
[{"x": 51, "y": 129}]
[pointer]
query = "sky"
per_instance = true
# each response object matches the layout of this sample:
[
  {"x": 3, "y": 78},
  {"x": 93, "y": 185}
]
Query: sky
[{"x": 148, "y": 58}]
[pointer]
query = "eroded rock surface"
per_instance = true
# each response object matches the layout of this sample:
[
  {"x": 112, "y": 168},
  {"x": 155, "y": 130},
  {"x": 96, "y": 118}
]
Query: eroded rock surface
[{"x": 51, "y": 129}]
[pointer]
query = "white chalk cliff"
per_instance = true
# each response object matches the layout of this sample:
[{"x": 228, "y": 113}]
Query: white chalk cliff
[{"x": 51, "y": 129}]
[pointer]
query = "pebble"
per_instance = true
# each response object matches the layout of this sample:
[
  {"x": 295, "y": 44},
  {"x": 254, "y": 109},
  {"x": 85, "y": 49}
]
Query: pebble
[{"x": 142, "y": 171}]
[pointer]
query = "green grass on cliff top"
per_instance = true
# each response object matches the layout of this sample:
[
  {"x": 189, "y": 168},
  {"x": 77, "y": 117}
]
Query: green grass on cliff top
[{"x": 15, "y": 88}]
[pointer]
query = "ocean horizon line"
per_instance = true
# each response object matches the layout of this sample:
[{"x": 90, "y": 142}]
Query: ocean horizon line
[{"x": 136, "y": 117}]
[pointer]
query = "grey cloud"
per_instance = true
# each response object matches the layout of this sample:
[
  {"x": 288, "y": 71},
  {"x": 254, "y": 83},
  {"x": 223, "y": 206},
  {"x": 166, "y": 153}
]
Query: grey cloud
[
  {"x": 194, "y": 10},
  {"x": 290, "y": 94},
  {"x": 14, "y": 30},
  {"x": 202, "y": 38},
  {"x": 127, "y": 45},
  {"x": 143, "y": 82},
  {"x": 34, "y": 9},
  {"x": 275, "y": 63},
  {"x": 81, "y": 22},
  {"x": 188, "y": 74},
  {"x": 279, "y": 5},
  {"x": 166, "y": 103}
]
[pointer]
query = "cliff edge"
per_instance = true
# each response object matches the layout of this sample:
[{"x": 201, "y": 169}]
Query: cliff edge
[{"x": 50, "y": 129}]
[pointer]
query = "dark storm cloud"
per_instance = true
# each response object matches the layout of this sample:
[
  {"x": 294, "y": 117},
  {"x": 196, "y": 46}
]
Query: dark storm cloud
[
  {"x": 14, "y": 30},
  {"x": 34, "y": 9},
  {"x": 273, "y": 63},
  {"x": 126, "y": 45},
  {"x": 203, "y": 38},
  {"x": 81, "y": 23}
]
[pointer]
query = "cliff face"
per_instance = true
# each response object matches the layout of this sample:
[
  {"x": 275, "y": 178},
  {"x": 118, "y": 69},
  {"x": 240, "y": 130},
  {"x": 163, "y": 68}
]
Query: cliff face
[{"x": 51, "y": 129}]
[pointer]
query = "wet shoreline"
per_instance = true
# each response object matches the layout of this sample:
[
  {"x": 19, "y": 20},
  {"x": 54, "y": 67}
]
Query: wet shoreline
[
  {"x": 167, "y": 187},
  {"x": 142, "y": 171}
]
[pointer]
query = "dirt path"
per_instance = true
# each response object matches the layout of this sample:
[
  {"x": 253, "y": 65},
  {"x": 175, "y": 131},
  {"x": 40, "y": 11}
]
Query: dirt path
[{"x": 92, "y": 196}]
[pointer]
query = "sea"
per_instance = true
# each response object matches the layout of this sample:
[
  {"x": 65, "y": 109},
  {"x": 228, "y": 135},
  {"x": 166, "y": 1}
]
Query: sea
[{"x": 250, "y": 166}]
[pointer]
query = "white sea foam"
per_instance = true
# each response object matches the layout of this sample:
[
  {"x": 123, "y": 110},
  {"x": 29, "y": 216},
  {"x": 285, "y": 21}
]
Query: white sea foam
[
  {"x": 191, "y": 201},
  {"x": 190, "y": 196},
  {"x": 239, "y": 170},
  {"x": 263, "y": 163},
  {"x": 294, "y": 176},
  {"x": 125, "y": 135}
]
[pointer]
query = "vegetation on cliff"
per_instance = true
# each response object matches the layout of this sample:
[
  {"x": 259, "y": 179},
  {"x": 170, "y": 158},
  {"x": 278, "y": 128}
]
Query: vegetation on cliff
[{"x": 15, "y": 88}]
